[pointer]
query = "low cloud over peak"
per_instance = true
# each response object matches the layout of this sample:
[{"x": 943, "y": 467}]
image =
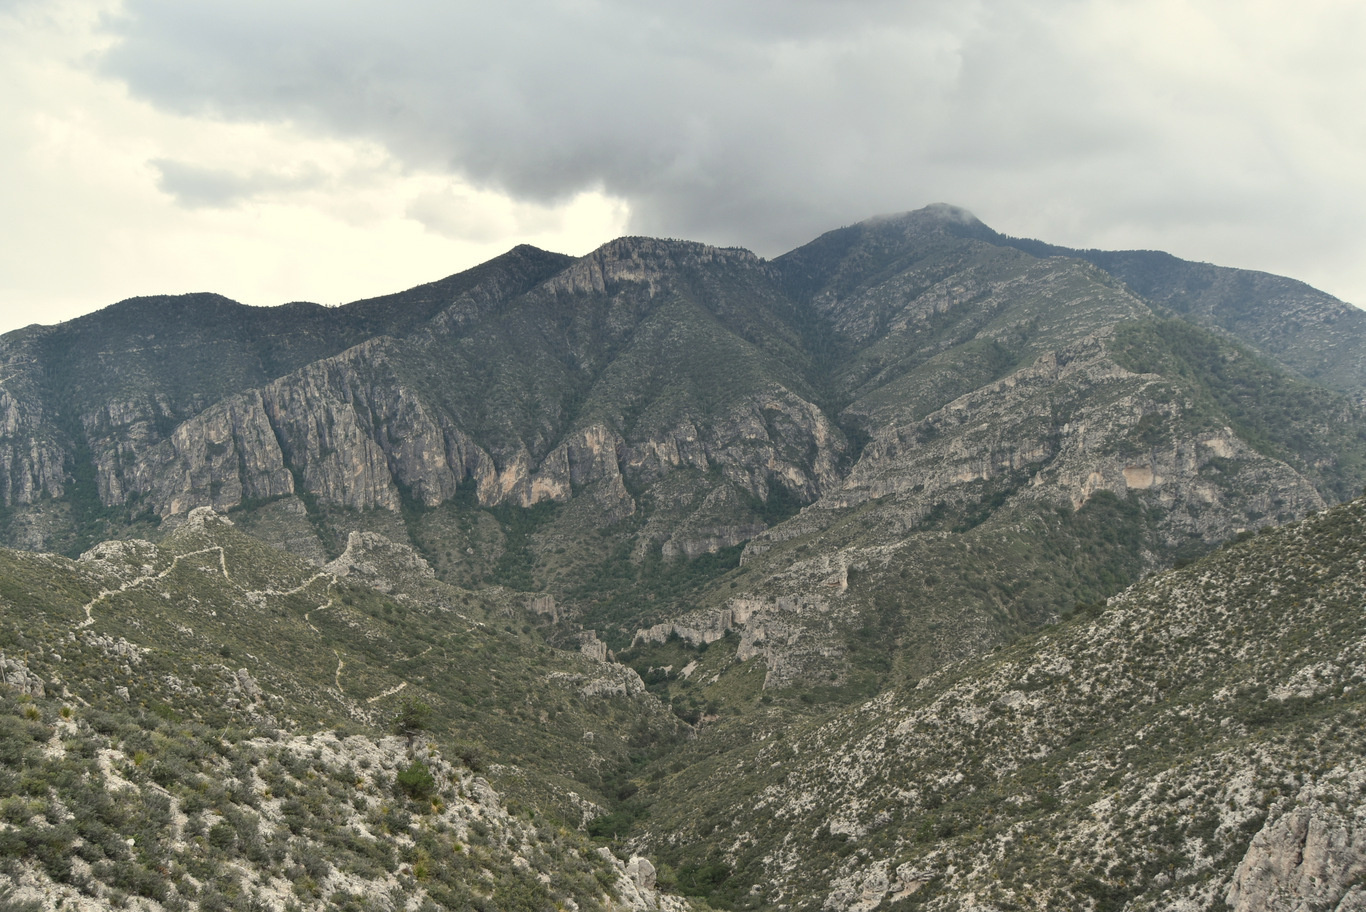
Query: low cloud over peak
[{"x": 764, "y": 123}]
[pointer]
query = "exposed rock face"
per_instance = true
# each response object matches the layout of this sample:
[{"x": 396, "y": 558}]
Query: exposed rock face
[
  {"x": 32, "y": 449},
  {"x": 779, "y": 631},
  {"x": 637, "y": 891},
  {"x": 611, "y": 680},
  {"x": 31, "y": 466},
  {"x": 15, "y": 674},
  {"x": 641, "y": 871},
  {"x": 700, "y": 523},
  {"x": 380, "y": 563},
  {"x": 348, "y": 429},
  {"x": 1312, "y": 857},
  {"x": 777, "y": 436},
  {"x": 1062, "y": 429},
  {"x": 247, "y": 685},
  {"x": 354, "y": 443},
  {"x": 589, "y": 455},
  {"x": 352, "y": 432},
  {"x": 125, "y": 377},
  {"x": 591, "y": 646},
  {"x": 544, "y": 605},
  {"x": 219, "y": 458}
]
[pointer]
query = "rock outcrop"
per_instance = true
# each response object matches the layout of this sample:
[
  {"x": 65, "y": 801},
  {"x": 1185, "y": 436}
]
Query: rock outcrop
[
  {"x": 381, "y": 563},
  {"x": 1064, "y": 428},
  {"x": 33, "y": 450},
  {"x": 1311, "y": 857},
  {"x": 16, "y": 675}
]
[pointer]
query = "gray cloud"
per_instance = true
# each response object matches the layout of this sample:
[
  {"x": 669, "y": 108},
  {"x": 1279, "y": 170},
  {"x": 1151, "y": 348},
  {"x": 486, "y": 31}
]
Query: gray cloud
[
  {"x": 197, "y": 187},
  {"x": 763, "y": 123}
]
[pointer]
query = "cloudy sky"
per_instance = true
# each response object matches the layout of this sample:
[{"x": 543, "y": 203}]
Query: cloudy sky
[{"x": 324, "y": 151}]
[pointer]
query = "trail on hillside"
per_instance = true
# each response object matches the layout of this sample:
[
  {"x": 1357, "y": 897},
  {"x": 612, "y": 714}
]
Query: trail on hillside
[
  {"x": 143, "y": 580},
  {"x": 323, "y": 607},
  {"x": 388, "y": 693}
]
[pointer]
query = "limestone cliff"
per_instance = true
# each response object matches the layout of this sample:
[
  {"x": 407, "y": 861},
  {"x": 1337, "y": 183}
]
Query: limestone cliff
[
  {"x": 33, "y": 451},
  {"x": 1312, "y": 857}
]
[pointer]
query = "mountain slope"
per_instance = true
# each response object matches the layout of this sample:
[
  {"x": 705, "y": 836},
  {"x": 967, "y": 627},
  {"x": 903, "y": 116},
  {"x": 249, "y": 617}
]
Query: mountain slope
[
  {"x": 1313, "y": 334},
  {"x": 790, "y": 575},
  {"x": 226, "y": 707},
  {"x": 1007, "y": 404},
  {"x": 1195, "y": 740},
  {"x": 84, "y": 400}
]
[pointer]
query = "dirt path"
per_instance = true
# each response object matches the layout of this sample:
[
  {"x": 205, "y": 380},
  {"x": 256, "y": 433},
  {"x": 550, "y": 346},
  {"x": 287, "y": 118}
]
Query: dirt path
[
  {"x": 388, "y": 693},
  {"x": 142, "y": 580}
]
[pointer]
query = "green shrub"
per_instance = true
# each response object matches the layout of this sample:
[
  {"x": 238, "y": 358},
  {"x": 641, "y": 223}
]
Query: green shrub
[
  {"x": 222, "y": 835},
  {"x": 416, "y": 781}
]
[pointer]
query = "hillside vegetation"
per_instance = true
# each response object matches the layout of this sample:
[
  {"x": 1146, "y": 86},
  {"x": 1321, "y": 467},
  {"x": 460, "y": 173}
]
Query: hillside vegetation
[
  {"x": 209, "y": 721},
  {"x": 1192, "y": 742}
]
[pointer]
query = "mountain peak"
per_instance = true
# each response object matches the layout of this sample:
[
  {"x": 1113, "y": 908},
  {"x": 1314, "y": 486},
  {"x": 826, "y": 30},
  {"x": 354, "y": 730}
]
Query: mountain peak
[
  {"x": 934, "y": 219},
  {"x": 933, "y": 214}
]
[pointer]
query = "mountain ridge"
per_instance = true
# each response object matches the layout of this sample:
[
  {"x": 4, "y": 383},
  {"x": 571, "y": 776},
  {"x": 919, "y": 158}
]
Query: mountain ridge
[
  {"x": 670, "y": 398},
  {"x": 671, "y": 577}
]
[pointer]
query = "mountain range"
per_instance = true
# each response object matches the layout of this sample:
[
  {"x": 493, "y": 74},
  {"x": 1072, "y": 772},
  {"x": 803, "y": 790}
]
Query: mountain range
[{"x": 833, "y": 581}]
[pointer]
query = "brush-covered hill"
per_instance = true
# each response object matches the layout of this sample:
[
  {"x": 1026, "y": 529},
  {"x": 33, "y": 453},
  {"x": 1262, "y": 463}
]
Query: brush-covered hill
[
  {"x": 207, "y": 723},
  {"x": 1196, "y": 742},
  {"x": 210, "y": 723}
]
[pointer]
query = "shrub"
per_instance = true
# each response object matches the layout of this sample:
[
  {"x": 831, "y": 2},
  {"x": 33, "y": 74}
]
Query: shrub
[
  {"x": 222, "y": 835},
  {"x": 416, "y": 781}
]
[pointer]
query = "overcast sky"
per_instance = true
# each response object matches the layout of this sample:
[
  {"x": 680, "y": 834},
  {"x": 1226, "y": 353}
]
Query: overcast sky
[{"x": 325, "y": 151}]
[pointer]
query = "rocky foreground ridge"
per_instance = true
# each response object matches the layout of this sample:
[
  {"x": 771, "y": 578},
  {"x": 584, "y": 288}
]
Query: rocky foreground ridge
[
  {"x": 206, "y": 723},
  {"x": 201, "y": 723}
]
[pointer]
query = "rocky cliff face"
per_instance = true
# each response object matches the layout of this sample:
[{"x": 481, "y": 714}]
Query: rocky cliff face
[
  {"x": 353, "y": 434},
  {"x": 93, "y": 397},
  {"x": 33, "y": 451},
  {"x": 1311, "y": 857},
  {"x": 1072, "y": 423}
]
